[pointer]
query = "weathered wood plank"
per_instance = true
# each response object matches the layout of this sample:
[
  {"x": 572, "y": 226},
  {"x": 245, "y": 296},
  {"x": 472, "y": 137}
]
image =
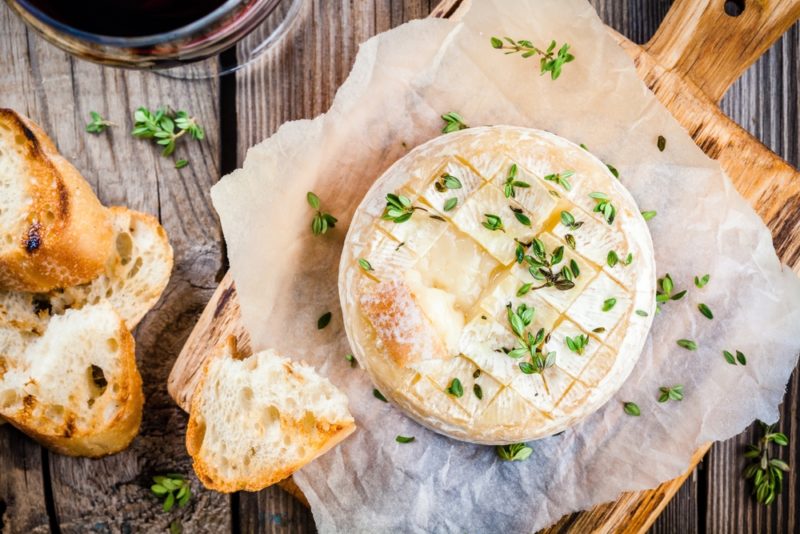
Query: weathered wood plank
[{"x": 57, "y": 91}]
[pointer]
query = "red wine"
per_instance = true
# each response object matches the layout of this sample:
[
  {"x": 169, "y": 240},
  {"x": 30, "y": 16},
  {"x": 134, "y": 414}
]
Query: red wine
[{"x": 126, "y": 18}]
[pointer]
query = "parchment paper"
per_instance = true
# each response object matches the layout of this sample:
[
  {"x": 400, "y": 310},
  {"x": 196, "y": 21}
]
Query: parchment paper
[{"x": 401, "y": 82}]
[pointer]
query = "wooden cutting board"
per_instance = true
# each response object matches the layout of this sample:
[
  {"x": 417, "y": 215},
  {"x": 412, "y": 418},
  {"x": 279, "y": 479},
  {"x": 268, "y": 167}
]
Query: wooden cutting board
[{"x": 696, "y": 54}]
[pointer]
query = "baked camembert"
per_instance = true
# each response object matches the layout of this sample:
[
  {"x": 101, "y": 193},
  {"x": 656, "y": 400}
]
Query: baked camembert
[{"x": 498, "y": 284}]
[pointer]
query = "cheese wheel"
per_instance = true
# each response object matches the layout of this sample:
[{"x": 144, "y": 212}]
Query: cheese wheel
[{"x": 498, "y": 284}]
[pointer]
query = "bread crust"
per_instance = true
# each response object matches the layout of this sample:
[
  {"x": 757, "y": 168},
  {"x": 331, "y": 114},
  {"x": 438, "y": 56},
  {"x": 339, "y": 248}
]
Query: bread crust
[
  {"x": 102, "y": 438},
  {"x": 329, "y": 434},
  {"x": 67, "y": 235}
]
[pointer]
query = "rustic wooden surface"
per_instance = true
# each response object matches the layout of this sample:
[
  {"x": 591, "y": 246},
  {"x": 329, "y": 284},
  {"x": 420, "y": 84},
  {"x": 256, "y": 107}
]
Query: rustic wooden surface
[{"x": 41, "y": 492}]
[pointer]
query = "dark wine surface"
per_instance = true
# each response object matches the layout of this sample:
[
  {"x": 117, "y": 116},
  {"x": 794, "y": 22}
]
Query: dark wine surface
[{"x": 126, "y": 18}]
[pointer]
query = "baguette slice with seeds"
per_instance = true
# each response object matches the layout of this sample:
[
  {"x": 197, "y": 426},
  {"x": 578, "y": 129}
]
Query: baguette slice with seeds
[
  {"x": 255, "y": 420},
  {"x": 53, "y": 230},
  {"x": 76, "y": 388}
]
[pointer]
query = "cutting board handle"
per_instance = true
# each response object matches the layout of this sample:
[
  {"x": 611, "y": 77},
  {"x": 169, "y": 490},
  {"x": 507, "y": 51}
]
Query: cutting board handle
[{"x": 703, "y": 42}]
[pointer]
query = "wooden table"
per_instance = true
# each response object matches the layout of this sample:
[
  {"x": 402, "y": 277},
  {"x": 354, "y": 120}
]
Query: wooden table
[{"x": 41, "y": 492}]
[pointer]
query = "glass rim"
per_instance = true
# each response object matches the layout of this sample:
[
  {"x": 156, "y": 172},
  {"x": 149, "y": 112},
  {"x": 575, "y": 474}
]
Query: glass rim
[{"x": 140, "y": 40}]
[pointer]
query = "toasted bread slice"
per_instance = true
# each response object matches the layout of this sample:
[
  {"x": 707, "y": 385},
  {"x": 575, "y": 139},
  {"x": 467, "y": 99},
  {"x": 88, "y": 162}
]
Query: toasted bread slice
[
  {"x": 53, "y": 230},
  {"x": 76, "y": 388},
  {"x": 135, "y": 275},
  {"x": 256, "y": 420}
]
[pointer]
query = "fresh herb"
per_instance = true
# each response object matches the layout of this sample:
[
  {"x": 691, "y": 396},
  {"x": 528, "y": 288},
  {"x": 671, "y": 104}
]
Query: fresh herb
[
  {"x": 455, "y": 388},
  {"x": 478, "y": 391},
  {"x": 512, "y": 182},
  {"x": 365, "y": 265},
  {"x": 661, "y": 143},
  {"x": 523, "y": 289},
  {"x": 453, "y": 122},
  {"x": 641, "y": 313},
  {"x": 568, "y": 220},
  {"x": 609, "y": 303},
  {"x": 541, "y": 267},
  {"x": 181, "y": 163},
  {"x": 570, "y": 239},
  {"x": 705, "y": 310},
  {"x": 477, "y": 372},
  {"x": 604, "y": 206},
  {"x": 519, "y": 214},
  {"x": 649, "y": 214},
  {"x": 664, "y": 290},
  {"x": 172, "y": 488},
  {"x": 450, "y": 203},
  {"x": 740, "y": 357},
  {"x": 493, "y": 222},
  {"x": 516, "y": 452},
  {"x": 599, "y": 329},
  {"x": 561, "y": 179},
  {"x": 447, "y": 181},
  {"x": 687, "y": 344},
  {"x": 612, "y": 259},
  {"x": 98, "y": 124},
  {"x": 378, "y": 395},
  {"x": 551, "y": 61},
  {"x": 767, "y": 473},
  {"x": 398, "y": 208},
  {"x": 324, "y": 320},
  {"x": 628, "y": 259},
  {"x": 527, "y": 343},
  {"x": 165, "y": 127},
  {"x": 670, "y": 393},
  {"x": 322, "y": 221},
  {"x": 701, "y": 282},
  {"x": 613, "y": 170},
  {"x": 578, "y": 343},
  {"x": 404, "y": 439},
  {"x": 631, "y": 408},
  {"x": 350, "y": 358}
]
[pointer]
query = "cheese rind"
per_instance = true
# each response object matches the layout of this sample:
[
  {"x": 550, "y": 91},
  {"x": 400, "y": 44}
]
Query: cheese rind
[{"x": 431, "y": 322}]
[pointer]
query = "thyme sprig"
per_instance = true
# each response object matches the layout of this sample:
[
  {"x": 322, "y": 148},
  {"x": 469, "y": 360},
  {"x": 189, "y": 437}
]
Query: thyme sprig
[
  {"x": 541, "y": 267},
  {"x": 447, "y": 181},
  {"x": 512, "y": 182},
  {"x": 669, "y": 393},
  {"x": 453, "y": 122},
  {"x": 561, "y": 179},
  {"x": 165, "y": 127},
  {"x": 551, "y": 61},
  {"x": 766, "y": 472},
  {"x": 631, "y": 408},
  {"x": 516, "y": 452},
  {"x": 98, "y": 124},
  {"x": 665, "y": 288},
  {"x": 578, "y": 343},
  {"x": 529, "y": 344},
  {"x": 172, "y": 488},
  {"x": 604, "y": 206},
  {"x": 322, "y": 221},
  {"x": 568, "y": 220},
  {"x": 493, "y": 222},
  {"x": 398, "y": 208}
]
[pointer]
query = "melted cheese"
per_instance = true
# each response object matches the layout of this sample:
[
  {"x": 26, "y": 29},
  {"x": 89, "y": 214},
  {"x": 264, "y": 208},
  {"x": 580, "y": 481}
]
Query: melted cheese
[{"x": 435, "y": 306}]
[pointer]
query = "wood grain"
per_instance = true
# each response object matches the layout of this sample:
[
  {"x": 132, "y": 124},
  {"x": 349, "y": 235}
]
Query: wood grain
[
  {"x": 298, "y": 80},
  {"x": 739, "y": 153},
  {"x": 58, "y": 92}
]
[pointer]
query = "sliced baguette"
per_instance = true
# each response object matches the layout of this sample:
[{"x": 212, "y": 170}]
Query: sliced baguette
[
  {"x": 76, "y": 388},
  {"x": 53, "y": 230},
  {"x": 256, "y": 420},
  {"x": 135, "y": 275}
]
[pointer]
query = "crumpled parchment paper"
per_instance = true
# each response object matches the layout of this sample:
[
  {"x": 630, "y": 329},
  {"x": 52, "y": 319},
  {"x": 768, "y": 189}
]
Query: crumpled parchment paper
[{"x": 401, "y": 82}]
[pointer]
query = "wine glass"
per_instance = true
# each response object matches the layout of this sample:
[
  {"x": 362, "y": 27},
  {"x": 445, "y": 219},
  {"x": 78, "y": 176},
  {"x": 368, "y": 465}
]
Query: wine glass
[{"x": 161, "y": 34}]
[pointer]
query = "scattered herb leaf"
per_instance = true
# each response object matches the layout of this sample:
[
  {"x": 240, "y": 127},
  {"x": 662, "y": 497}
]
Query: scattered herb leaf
[
  {"x": 404, "y": 439},
  {"x": 516, "y": 452},
  {"x": 453, "y": 122},
  {"x": 631, "y": 408},
  {"x": 455, "y": 388},
  {"x": 324, "y": 320}
]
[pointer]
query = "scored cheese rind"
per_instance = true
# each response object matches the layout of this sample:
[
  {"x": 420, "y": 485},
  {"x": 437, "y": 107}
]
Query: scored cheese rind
[{"x": 436, "y": 314}]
